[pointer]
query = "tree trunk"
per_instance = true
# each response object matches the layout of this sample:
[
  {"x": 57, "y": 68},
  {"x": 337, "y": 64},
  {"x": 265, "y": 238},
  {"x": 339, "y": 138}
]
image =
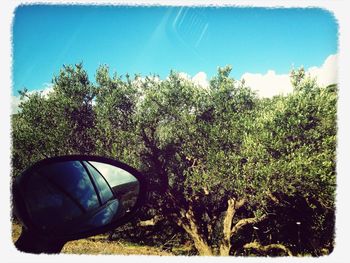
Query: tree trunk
[
  {"x": 225, "y": 245},
  {"x": 187, "y": 221},
  {"x": 189, "y": 224},
  {"x": 203, "y": 248},
  {"x": 232, "y": 206}
]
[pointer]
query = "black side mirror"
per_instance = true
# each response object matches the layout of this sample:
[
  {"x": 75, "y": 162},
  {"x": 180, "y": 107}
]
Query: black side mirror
[{"x": 71, "y": 197}]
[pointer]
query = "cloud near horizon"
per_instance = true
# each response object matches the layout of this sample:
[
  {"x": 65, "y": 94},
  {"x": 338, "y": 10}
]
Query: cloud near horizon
[
  {"x": 15, "y": 100},
  {"x": 266, "y": 85},
  {"x": 271, "y": 84}
]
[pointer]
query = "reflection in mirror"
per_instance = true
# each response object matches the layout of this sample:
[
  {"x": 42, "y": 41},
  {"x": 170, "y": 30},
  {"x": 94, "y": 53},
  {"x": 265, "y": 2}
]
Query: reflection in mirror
[
  {"x": 58, "y": 193},
  {"x": 125, "y": 186},
  {"x": 101, "y": 184},
  {"x": 70, "y": 197},
  {"x": 72, "y": 177},
  {"x": 66, "y": 197}
]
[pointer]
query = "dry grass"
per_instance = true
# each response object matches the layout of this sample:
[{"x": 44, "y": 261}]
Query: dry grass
[
  {"x": 100, "y": 245},
  {"x": 16, "y": 231}
]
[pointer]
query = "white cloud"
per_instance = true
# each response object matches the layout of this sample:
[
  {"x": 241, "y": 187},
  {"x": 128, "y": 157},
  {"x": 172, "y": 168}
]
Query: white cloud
[
  {"x": 184, "y": 75},
  {"x": 266, "y": 85},
  {"x": 327, "y": 73},
  {"x": 48, "y": 88},
  {"x": 271, "y": 84},
  {"x": 15, "y": 100},
  {"x": 201, "y": 79}
]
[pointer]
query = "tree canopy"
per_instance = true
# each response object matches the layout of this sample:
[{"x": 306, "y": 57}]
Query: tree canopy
[{"x": 221, "y": 163}]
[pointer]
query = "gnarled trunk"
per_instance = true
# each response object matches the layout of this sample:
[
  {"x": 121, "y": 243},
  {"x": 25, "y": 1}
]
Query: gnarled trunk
[
  {"x": 187, "y": 220},
  {"x": 225, "y": 245},
  {"x": 189, "y": 224},
  {"x": 232, "y": 206}
]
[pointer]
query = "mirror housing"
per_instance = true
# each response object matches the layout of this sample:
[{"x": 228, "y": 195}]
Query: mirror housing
[{"x": 71, "y": 197}]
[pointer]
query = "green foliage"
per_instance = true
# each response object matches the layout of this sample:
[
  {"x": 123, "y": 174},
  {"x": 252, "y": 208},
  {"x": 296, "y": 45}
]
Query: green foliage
[
  {"x": 56, "y": 124},
  {"x": 198, "y": 147},
  {"x": 115, "y": 117},
  {"x": 294, "y": 142}
]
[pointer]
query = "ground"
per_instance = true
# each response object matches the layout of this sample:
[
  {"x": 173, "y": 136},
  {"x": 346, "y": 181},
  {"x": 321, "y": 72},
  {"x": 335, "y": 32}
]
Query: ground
[{"x": 100, "y": 245}]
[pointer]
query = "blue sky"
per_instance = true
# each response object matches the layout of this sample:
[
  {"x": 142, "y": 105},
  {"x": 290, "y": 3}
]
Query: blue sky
[{"x": 154, "y": 40}]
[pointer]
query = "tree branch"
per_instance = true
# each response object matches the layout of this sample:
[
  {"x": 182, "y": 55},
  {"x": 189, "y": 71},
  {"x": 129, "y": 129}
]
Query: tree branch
[
  {"x": 227, "y": 224},
  {"x": 240, "y": 203},
  {"x": 150, "y": 222},
  {"x": 273, "y": 198},
  {"x": 259, "y": 247},
  {"x": 246, "y": 221}
]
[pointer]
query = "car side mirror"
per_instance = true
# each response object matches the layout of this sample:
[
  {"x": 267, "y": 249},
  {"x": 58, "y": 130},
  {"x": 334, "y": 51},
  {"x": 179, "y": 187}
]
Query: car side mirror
[{"x": 71, "y": 197}]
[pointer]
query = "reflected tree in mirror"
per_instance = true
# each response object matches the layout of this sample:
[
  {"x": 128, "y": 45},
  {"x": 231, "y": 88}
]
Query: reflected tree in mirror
[{"x": 72, "y": 197}]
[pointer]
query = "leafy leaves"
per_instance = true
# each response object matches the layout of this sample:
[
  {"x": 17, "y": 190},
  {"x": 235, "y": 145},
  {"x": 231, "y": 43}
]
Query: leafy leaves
[{"x": 199, "y": 146}]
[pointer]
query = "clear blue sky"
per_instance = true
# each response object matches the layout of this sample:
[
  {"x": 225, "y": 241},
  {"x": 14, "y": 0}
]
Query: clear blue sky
[{"x": 149, "y": 40}]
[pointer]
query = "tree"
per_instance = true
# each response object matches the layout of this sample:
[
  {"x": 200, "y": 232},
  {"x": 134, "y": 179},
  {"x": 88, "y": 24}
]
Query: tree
[
  {"x": 292, "y": 146},
  {"x": 62, "y": 122},
  {"x": 221, "y": 163},
  {"x": 116, "y": 122},
  {"x": 219, "y": 157},
  {"x": 193, "y": 139}
]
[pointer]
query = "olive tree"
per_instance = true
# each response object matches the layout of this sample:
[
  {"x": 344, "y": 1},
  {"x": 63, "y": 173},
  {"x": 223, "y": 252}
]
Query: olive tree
[
  {"x": 218, "y": 159},
  {"x": 61, "y": 122},
  {"x": 192, "y": 140},
  {"x": 291, "y": 150}
]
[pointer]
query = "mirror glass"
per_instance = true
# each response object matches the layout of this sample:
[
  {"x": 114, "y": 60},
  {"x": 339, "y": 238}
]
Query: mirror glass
[
  {"x": 64, "y": 198},
  {"x": 124, "y": 185}
]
